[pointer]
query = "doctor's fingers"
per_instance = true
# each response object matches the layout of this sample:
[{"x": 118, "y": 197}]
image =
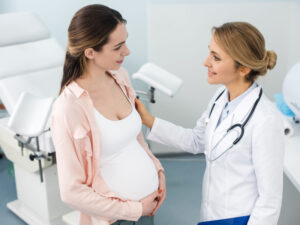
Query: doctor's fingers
[{"x": 141, "y": 108}]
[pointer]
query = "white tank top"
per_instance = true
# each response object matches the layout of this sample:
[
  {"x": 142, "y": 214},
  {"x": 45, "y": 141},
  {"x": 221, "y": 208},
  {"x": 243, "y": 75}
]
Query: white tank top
[{"x": 124, "y": 165}]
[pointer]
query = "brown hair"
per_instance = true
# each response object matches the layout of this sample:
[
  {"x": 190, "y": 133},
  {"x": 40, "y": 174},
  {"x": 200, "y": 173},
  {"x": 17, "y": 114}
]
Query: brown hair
[
  {"x": 246, "y": 45},
  {"x": 90, "y": 27}
]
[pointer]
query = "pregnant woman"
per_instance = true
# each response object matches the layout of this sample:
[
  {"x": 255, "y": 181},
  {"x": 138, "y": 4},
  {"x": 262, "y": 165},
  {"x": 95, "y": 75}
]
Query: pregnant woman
[{"x": 105, "y": 168}]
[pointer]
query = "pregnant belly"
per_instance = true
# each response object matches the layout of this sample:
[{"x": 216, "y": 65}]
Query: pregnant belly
[{"x": 131, "y": 174}]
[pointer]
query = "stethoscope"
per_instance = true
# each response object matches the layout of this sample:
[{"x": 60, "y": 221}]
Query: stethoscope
[{"x": 240, "y": 126}]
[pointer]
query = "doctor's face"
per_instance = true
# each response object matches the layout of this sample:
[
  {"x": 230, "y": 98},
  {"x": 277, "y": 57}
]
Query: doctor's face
[{"x": 221, "y": 67}]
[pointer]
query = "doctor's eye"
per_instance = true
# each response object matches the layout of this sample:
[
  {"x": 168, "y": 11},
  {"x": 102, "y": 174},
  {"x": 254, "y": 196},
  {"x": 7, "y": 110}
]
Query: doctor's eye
[{"x": 216, "y": 58}]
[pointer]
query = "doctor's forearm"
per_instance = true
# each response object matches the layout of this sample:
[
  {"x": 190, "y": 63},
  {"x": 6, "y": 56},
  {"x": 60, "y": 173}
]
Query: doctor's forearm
[{"x": 167, "y": 133}]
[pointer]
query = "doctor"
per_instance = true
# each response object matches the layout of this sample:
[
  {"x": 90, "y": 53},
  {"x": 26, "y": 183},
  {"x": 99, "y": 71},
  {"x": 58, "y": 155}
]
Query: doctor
[{"x": 240, "y": 132}]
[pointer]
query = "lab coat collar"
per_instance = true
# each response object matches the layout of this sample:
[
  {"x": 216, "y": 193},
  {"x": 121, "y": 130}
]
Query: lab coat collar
[
  {"x": 214, "y": 118},
  {"x": 237, "y": 116},
  {"x": 78, "y": 91},
  {"x": 241, "y": 111},
  {"x": 245, "y": 106}
]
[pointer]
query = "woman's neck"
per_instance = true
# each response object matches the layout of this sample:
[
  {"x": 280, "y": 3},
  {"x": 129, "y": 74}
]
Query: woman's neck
[
  {"x": 94, "y": 79},
  {"x": 237, "y": 88}
]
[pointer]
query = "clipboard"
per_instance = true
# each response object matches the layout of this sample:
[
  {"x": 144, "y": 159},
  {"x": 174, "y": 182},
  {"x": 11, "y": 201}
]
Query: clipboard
[{"x": 243, "y": 220}]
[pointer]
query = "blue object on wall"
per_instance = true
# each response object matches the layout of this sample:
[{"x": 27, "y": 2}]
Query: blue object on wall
[{"x": 282, "y": 106}]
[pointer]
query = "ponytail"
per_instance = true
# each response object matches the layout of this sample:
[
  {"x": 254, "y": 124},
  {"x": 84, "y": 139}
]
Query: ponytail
[{"x": 71, "y": 71}]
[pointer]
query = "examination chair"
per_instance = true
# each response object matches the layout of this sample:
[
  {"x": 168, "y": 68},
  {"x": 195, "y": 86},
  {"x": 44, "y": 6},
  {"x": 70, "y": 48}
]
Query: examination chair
[{"x": 30, "y": 65}]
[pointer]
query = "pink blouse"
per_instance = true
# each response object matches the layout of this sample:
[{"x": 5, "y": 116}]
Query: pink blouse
[{"x": 75, "y": 136}]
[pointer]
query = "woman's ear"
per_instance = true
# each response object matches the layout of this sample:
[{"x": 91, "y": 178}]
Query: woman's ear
[
  {"x": 89, "y": 53},
  {"x": 244, "y": 71}
]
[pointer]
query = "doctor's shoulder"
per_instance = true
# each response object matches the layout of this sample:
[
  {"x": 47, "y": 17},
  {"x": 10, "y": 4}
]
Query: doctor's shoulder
[{"x": 267, "y": 111}]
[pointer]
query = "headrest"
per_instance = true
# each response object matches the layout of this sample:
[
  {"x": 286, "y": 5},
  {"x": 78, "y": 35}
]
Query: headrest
[
  {"x": 42, "y": 83},
  {"x": 159, "y": 78},
  {"x": 32, "y": 56},
  {"x": 21, "y": 27}
]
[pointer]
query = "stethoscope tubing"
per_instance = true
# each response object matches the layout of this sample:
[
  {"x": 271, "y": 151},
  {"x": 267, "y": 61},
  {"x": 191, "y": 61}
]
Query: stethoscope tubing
[{"x": 241, "y": 126}]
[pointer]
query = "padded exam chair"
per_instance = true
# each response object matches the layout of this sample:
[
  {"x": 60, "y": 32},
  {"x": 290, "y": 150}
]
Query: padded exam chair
[{"x": 31, "y": 62}]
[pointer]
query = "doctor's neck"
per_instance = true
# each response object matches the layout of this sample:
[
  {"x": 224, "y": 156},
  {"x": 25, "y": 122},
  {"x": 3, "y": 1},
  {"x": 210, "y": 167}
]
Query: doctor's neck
[{"x": 235, "y": 89}]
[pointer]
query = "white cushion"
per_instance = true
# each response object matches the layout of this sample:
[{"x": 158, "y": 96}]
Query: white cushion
[
  {"x": 21, "y": 27},
  {"x": 43, "y": 83},
  {"x": 28, "y": 57}
]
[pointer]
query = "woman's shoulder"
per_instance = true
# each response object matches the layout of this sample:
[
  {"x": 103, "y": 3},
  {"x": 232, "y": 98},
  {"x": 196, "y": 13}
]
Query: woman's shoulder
[
  {"x": 68, "y": 112},
  {"x": 66, "y": 104}
]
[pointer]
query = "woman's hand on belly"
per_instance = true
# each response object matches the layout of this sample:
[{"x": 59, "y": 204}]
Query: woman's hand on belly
[
  {"x": 162, "y": 190},
  {"x": 149, "y": 203}
]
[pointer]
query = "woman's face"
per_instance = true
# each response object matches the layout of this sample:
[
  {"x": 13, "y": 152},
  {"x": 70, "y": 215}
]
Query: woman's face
[
  {"x": 221, "y": 67},
  {"x": 112, "y": 54}
]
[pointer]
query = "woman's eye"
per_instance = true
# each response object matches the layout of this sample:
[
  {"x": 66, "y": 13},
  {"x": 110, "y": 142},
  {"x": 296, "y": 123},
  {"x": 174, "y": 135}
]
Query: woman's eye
[{"x": 118, "y": 48}]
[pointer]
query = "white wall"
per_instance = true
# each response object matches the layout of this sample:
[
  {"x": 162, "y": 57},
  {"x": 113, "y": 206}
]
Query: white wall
[
  {"x": 175, "y": 34},
  {"x": 179, "y": 35},
  {"x": 57, "y": 14}
]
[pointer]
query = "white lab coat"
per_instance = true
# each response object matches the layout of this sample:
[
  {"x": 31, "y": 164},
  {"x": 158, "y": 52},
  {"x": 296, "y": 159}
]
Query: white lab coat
[{"x": 247, "y": 179}]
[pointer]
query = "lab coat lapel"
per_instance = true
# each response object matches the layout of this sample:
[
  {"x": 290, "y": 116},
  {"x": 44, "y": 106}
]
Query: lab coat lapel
[
  {"x": 244, "y": 108},
  {"x": 237, "y": 116},
  {"x": 214, "y": 118}
]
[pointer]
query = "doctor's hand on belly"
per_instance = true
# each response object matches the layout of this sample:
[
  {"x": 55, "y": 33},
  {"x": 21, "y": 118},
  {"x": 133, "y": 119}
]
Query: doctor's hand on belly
[{"x": 147, "y": 118}]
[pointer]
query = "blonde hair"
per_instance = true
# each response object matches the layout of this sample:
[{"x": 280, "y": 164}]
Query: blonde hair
[{"x": 246, "y": 45}]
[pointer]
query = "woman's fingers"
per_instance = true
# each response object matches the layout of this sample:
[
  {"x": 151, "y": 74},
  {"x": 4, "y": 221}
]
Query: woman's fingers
[
  {"x": 161, "y": 191},
  {"x": 160, "y": 201}
]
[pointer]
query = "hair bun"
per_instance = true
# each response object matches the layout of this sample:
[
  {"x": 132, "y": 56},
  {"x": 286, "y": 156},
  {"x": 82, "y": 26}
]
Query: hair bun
[{"x": 271, "y": 59}]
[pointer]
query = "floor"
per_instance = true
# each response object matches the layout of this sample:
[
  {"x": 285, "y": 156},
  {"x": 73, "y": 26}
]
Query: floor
[
  {"x": 182, "y": 205},
  {"x": 7, "y": 194}
]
